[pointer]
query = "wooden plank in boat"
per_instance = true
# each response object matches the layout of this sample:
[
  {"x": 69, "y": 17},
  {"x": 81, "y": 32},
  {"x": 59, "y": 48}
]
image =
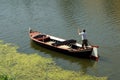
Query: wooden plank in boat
[
  {"x": 64, "y": 47},
  {"x": 50, "y": 42}
]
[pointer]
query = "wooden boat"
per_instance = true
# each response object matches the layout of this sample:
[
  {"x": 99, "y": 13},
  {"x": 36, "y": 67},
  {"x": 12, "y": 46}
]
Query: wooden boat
[{"x": 68, "y": 47}]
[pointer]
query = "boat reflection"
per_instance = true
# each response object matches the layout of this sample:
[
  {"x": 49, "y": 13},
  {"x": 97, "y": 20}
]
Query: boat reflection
[{"x": 65, "y": 61}]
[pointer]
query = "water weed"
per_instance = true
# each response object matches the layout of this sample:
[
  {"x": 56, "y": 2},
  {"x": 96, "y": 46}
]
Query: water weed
[{"x": 17, "y": 66}]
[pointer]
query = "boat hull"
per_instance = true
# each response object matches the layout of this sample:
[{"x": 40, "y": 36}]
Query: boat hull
[{"x": 81, "y": 54}]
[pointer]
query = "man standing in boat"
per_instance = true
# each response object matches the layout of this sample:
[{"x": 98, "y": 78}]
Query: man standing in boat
[{"x": 84, "y": 38}]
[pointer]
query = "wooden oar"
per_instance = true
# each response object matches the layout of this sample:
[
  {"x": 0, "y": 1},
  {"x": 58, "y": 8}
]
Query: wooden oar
[{"x": 78, "y": 30}]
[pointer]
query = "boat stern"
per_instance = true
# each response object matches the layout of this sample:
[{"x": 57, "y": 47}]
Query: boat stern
[{"x": 95, "y": 55}]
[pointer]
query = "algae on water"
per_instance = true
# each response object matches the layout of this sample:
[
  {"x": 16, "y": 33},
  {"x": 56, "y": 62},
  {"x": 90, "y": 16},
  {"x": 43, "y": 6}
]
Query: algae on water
[{"x": 17, "y": 66}]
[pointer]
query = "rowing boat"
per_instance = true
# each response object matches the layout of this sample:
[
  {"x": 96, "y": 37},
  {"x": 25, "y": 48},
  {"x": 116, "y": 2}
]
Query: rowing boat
[{"x": 68, "y": 47}]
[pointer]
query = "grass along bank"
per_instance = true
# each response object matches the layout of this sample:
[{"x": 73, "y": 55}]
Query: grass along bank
[{"x": 17, "y": 66}]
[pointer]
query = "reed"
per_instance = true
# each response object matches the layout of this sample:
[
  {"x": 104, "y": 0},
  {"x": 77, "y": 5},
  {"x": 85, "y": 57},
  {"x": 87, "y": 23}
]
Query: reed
[{"x": 21, "y": 66}]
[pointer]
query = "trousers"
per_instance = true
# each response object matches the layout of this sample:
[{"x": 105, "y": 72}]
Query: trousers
[{"x": 84, "y": 42}]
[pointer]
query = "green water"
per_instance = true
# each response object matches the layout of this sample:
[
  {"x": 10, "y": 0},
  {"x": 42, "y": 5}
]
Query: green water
[{"x": 100, "y": 18}]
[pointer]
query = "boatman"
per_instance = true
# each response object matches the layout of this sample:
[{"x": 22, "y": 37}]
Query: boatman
[{"x": 84, "y": 38}]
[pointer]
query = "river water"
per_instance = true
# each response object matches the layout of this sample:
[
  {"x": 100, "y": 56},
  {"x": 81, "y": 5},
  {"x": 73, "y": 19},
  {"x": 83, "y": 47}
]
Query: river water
[{"x": 62, "y": 18}]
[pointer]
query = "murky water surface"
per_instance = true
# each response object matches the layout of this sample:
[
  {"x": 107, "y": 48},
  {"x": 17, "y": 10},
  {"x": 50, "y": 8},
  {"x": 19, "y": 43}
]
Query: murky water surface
[{"x": 62, "y": 18}]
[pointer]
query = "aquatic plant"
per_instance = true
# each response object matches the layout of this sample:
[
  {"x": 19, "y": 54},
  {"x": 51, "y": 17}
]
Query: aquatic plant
[{"x": 20, "y": 66}]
